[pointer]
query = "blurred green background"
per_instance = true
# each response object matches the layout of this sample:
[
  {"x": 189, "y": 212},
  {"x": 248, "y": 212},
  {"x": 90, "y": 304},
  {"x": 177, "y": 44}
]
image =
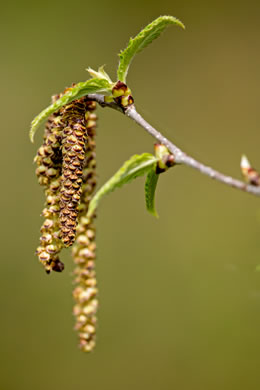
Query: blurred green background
[{"x": 179, "y": 296}]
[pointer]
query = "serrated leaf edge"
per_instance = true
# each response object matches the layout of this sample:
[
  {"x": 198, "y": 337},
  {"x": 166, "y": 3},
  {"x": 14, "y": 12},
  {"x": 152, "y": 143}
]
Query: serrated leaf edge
[{"x": 140, "y": 41}]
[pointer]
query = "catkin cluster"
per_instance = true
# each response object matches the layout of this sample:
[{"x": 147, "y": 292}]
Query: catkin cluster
[{"x": 66, "y": 168}]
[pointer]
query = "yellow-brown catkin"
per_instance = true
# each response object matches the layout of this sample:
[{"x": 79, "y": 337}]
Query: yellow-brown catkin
[
  {"x": 84, "y": 249},
  {"x": 50, "y": 242},
  {"x": 48, "y": 171},
  {"x": 74, "y": 138}
]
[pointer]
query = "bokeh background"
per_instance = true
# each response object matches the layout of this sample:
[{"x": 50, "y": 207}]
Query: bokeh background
[{"x": 179, "y": 296}]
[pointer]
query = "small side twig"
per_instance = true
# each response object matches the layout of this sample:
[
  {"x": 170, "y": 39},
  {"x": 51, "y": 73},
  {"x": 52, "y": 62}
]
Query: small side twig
[{"x": 180, "y": 157}]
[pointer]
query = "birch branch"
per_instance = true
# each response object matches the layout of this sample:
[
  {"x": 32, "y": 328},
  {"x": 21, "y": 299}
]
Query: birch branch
[{"x": 180, "y": 157}]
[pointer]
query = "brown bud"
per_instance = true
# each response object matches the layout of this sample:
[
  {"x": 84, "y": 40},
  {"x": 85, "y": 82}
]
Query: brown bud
[{"x": 119, "y": 89}]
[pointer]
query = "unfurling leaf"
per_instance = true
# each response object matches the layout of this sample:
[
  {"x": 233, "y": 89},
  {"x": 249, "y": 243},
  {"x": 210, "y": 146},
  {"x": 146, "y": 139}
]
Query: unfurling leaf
[
  {"x": 137, "y": 165},
  {"x": 150, "y": 187},
  {"x": 100, "y": 74},
  {"x": 76, "y": 92},
  {"x": 143, "y": 39}
]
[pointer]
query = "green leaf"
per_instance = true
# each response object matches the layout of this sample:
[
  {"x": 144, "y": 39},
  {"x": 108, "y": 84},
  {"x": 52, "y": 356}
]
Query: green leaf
[
  {"x": 143, "y": 39},
  {"x": 136, "y": 166},
  {"x": 76, "y": 92},
  {"x": 150, "y": 187}
]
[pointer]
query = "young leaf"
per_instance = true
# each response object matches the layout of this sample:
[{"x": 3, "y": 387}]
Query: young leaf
[
  {"x": 143, "y": 39},
  {"x": 150, "y": 187},
  {"x": 100, "y": 74},
  {"x": 76, "y": 92},
  {"x": 136, "y": 166}
]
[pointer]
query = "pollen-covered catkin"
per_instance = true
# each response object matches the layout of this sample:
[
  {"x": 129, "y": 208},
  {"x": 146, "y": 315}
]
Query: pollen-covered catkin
[
  {"x": 50, "y": 242},
  {"x": 48, "y": 171},
  {"x": 84, "y": 249},
  {"x": 74, "y": 138}
]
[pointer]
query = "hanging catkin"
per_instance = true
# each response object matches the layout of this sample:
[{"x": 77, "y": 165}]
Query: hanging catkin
[
  {"x": 84, "y": 249},
  {"x": 48, "y": 171},
  {"x": 74, "y": 137}
]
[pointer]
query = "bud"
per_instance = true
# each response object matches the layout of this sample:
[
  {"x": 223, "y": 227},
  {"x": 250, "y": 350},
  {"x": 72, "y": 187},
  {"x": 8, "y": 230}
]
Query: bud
[
  {"x": 120, "y": 89},
  {"x": 165, "y": 158},
  {"x": 122, "y": 95},
  {"x": 125, "y": 101},
  {"x": 250, "y": 174}
]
